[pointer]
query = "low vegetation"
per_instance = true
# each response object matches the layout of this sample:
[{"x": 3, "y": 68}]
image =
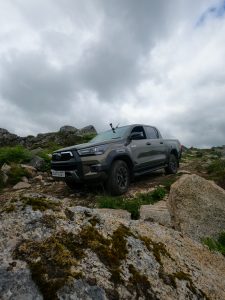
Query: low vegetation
[
  {"x": 16, "y": 173},
  {"x": 216, "y": 170},
  {"x": 132, "y": 204},
  {"x": 216, "y": 244},
  {"x": 16, "y": 154},
  {"x": 54, "y": 262},
  {"x": 41, "y": 204}
]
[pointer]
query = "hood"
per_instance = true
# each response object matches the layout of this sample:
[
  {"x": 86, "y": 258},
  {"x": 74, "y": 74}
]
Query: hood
[{"x": 87, "y": 145}]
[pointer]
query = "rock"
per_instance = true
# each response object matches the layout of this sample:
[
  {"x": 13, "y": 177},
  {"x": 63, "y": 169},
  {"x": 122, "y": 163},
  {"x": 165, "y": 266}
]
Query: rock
[
  {"x": 68, "y": 128},
  {"x": 156, "y": 213},
  {"x": 5, "y": 168},
  {"x": 197, "y": 207},
  {"x": 24, "y": 179},
  {"x": 36, "y": 150},
  {"x": 183, "y": 172},
  {"x": 21, "y": 185},
  {"x": 5, "y": 178},
  {"x": 114, "y": 258},
  {"x": 3, "y": 131},
  {"x": 113, "y": 213},
  {"x": 37, "y": 162},
  {"x": 38, "y": 178},
  {"x": 66, "y": 136},
  {"x": 30, "y": 170},
  {"x": 88, "y": 130}
]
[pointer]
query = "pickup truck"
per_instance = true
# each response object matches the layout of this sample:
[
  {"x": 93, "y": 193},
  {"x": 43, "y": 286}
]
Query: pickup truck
[{"x": 116, "y": 156}]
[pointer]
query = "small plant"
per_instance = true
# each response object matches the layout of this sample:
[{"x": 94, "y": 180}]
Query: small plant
[
  {"x": 45, "y": 155},
  {"x": 216, "y": 245},
  {"x": 16, "y": 173},
  {"x": 132, "y": 205},
  {"x": 41, "y": 204},
  {"x": 216, "y": 171},
  {"x": 16, "y": 154}
]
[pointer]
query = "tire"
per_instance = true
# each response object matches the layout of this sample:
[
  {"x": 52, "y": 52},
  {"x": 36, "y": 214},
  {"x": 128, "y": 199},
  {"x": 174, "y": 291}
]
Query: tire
[
  {"x": 119, "y": 178},
  {"x": 73, "y": 185},
  {"x": 172, "y": 165}
]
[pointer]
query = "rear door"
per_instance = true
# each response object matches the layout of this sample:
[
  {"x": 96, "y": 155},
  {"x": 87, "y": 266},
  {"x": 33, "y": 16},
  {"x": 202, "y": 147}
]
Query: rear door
[{"x": 157, "y": 147}]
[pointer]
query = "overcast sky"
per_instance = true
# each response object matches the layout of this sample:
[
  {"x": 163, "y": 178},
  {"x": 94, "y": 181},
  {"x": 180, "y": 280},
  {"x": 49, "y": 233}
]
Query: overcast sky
[{"x": 81, "y": 62}]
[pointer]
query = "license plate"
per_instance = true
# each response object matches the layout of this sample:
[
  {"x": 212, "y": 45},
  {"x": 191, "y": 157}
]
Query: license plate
[{"x": 58, "y": 173}]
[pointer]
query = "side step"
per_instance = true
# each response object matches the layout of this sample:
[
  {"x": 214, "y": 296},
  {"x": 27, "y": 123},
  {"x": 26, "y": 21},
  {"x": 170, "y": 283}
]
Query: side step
[{"x": 148, "y": 171}]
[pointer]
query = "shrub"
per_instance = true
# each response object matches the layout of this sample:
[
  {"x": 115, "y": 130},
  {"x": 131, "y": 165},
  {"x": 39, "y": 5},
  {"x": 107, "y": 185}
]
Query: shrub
[
  {"x": 16, "y": 173},
  {"x": 45, "y": 155},
  {"x": 216, "y": 170},
  {"x": 216, "y": 245},
  {"x": 133, "y": 204},
  {"x": 17, "y": 154}
]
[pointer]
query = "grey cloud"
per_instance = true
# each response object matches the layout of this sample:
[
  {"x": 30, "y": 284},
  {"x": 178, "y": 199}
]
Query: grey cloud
[
  {"x": 32, "y": 83},
  {"x": 87, "y": 62}
]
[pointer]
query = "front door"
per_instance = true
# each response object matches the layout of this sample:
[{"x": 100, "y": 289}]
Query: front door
[{"x": 140, "y": 149}]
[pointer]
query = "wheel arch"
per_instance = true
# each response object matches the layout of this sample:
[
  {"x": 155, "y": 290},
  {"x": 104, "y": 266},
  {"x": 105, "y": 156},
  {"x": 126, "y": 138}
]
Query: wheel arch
[
  {"x": 126, "y": 159},
  {"x": 175, "y": 153}
]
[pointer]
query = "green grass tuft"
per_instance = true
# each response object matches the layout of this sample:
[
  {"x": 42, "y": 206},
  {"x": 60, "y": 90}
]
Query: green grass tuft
[
  {"x": 16, "y": 154},
  {"x": 216, "y": 245},
  {"x": 16, "y": 173},
  {"x": 132, "y": 205}
]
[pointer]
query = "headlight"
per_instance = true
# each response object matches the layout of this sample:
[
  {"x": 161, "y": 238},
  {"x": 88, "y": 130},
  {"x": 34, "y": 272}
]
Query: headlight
[{"x": 98, "y": 150}]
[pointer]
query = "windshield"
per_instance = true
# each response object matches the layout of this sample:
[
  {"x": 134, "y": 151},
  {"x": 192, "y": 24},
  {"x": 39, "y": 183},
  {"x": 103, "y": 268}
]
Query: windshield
[{"x": 110, "y": 135}]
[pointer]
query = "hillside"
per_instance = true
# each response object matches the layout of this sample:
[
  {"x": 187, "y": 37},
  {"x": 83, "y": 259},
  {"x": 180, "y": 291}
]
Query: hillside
[{"x": 163, "y": 240}]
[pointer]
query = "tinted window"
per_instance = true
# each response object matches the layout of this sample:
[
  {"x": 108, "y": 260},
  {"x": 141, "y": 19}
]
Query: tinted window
[
  {"x": 140, "y": 130},
  {"x": 151, "y": 133},
  {"x": 108, "y": 135}
]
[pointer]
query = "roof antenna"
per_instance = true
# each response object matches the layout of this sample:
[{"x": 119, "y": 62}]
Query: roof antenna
[{"x": 113, "y": 129}]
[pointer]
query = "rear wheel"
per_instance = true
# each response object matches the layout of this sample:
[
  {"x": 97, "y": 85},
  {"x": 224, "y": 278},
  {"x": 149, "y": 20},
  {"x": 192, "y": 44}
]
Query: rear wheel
[
  {"x": 172, "y": 165},
  {"x": 119, "y": 178}
]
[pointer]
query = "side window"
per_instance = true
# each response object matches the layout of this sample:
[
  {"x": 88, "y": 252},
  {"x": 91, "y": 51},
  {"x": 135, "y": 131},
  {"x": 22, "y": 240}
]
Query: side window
[
  {"x": 139, "y": 130},
  {"x": 151, "y": 133}
]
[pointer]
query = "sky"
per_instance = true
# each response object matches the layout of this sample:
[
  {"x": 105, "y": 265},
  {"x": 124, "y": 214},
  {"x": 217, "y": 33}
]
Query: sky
[{"x": 70, "y": 62}]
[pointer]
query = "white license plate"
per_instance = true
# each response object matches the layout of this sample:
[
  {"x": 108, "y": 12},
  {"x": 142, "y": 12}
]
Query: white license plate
[{"x": 58, "y": 173}]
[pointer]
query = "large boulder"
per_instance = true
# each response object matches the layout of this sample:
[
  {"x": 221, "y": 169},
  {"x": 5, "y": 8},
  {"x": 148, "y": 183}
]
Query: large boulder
[
  {"x": 85, "y": 254},
  {"x": 157, "y": 213},
  {"x": 88, "y": 130},
  {"x": 197, "y": 207},
  {"x": 37, "y": 162},
  {"x": 8, "y": 139},
  {"x": 68, "y": 128}
]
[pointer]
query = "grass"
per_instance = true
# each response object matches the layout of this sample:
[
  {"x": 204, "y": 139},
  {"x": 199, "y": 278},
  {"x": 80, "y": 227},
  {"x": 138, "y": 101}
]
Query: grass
[
  {"x": 217, "y": 169},
  {"x": 41, "y": 204},
  {"x": 216, "y": 244},
  {"x": 16, "y": 154},
  {"x": 45, "y": 155},
  {"x": 132, "y": 205},
  {"x": 16, "y": 173},
  {"x": 53, "y": 262}
]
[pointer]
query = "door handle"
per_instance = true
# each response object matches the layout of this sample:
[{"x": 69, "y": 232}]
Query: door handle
[
  {"x": 148, "y": 143},
  {"x": 161, "y": 142}
]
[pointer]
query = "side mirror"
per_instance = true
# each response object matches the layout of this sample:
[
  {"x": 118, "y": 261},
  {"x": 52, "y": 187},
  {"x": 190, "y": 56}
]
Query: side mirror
[{"x": 136, "y": 136}]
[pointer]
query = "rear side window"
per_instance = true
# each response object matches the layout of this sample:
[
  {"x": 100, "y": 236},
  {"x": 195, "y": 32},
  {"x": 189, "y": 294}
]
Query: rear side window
[{"x": 151, "y": 133}]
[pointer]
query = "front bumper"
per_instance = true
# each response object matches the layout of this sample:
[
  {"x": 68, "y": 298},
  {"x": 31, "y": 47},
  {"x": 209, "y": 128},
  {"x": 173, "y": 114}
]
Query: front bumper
[{"x": 80, "y": 171}]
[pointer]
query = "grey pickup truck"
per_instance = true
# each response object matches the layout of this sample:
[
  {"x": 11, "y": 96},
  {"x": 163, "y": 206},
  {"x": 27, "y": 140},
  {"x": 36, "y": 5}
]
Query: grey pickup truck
[{"x": 116, "y": 156}]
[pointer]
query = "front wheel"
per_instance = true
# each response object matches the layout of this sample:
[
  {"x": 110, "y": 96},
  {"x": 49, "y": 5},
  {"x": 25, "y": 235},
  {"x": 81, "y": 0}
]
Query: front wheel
[
  {"x": 119, "y": 178},
  {"x": 73, "y": 185},
  {"x": 172, "y": 165}
]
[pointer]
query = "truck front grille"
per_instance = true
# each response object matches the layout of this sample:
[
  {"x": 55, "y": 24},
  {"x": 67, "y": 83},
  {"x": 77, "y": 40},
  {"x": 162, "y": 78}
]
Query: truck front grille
[{"x": 62, "y": 156}]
